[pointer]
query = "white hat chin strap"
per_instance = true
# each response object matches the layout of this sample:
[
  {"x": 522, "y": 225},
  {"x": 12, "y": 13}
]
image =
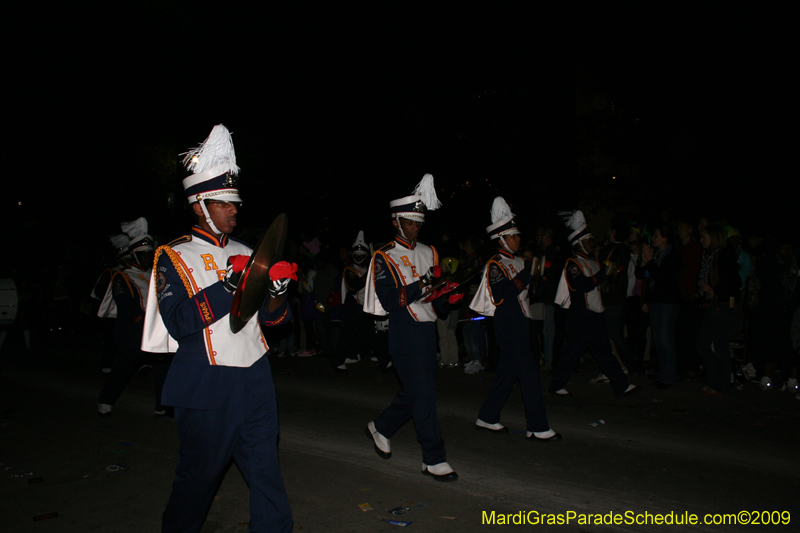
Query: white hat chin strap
[
  {"x": 400, "y": 228},
  {"x": 208, "y": 216},
  {"x": 580, "y": 242},
  {"x": 502, "y": 239}
]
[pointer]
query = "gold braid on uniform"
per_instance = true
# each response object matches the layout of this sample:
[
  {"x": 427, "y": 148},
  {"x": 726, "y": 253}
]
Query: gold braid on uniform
[{"x": 176, "y": 262}]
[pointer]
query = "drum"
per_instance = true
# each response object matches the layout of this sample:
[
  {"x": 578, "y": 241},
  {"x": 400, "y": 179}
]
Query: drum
[{"x": 8, "y": 302}]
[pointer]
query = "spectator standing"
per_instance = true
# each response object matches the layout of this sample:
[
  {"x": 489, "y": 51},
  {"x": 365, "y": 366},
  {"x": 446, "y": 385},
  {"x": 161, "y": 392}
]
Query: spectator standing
[
  {"x": 779, "y": 298},
  {"x": 719, "y": 287},
  {"x": 660, "y": 267},
  {"x": 689, "y": 316}
]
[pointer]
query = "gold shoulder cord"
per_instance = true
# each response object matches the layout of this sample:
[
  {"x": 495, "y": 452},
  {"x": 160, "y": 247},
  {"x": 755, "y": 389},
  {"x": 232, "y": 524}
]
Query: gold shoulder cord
[
  {"x": 388, "y": 262},
  {"x": 176, "y": 262},
  {"x": 488, "y": 284}
]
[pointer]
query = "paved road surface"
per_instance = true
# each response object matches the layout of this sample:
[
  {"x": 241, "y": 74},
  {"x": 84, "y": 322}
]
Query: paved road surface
[{"x": 658, "y": 452}]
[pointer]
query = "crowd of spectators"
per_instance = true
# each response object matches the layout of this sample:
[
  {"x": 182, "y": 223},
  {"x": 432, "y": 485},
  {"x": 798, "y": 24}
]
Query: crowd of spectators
[{"x": 685, "y": 300}]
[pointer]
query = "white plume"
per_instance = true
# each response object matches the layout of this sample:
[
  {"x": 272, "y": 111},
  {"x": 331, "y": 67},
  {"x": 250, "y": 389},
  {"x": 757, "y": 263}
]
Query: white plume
[
  {"x": 216, "y": 152},
  {"x": 426, "y": 189},
  {"x": 118, "y": 241},
  {"x": 359, "y": 239},
  {"x": 500, "y": 210},
  {"x": 135, "y": 228},
  {"x": 574, "y": 220}
]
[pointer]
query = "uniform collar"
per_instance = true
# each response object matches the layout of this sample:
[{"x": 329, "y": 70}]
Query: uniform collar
[
  {"x": 505, "y": 253},
  {"x": 200, "y": 233},
  {"x": 404, "y": 243}
]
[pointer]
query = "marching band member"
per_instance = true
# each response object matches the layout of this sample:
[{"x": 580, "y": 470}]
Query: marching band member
[
  {"x": 219, "y": 382},
  {"x": 400, "y": 275},
  {"x": 503, "y": 294},
  {"x": 126, "y": 299},
  {"x": 579, "y": 293}
]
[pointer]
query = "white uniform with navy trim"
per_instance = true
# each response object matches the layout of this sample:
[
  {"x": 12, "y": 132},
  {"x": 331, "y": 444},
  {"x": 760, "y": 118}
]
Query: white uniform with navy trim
[
  {"x": 589, "y": 268},
  {"x": 409, "y": 265},
  {"x": 483, "y": 303},
  {"x": 202, "y": 265}
]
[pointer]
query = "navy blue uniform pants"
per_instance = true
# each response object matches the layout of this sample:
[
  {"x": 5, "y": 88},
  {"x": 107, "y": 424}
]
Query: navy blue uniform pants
[
  {"x": 245, "y": 428},
  {"x": 355, "y": 336},
  {"x": 416, "y": 399},
  {"x": 516, "y": 362},
  {"x": 587, "y": 330},
  {"x": 128, "y": 362}
]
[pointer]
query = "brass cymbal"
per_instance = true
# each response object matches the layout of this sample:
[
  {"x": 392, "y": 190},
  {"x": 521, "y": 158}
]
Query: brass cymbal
[{"x": 254, "y": 283}]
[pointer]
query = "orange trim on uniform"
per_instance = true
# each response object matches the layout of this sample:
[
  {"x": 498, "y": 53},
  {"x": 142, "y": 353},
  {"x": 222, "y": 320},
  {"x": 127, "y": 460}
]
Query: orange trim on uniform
[
  {"x": 124, "y": 277},
  {"x": 411, "y": 311},
  {"x": 388, "y": 260},
  {"x": 179, "y": 240},
  {"x": 388, "y": 246},
  {"x": 409, "y": 245},
  {"x": 565, "y": 271},
  {"x": 344, "y": 277},
  {"x": 186, "y": 276},
  {"x": 488, "y": 283},
  {"x": 131, "y": 286},
  {"x": 402, "y": 296},
  {"x": 435, "y": 263},
  {"x": 220, "y": 243},
  {"x": 178, "y": 264},
  {"x": 278, "y": 320}
]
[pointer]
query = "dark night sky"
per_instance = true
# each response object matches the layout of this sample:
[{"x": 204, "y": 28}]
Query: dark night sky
[{"x": 335, "y": 113}]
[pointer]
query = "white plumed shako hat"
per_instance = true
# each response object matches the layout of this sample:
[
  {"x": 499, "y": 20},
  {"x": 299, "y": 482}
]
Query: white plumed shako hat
[
  {"x": 215, "y": 172},
  {"x": 575, "y": 221},
  {"x": 503, "y": 222},
  {"x": 414, "y": 207},
  {"x": 139, "y": 239},
  {"x": 214, "y": 166}
]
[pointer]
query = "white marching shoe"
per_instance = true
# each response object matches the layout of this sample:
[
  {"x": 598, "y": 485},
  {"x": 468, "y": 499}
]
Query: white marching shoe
[
  {"x": 381, "y": 443},
  {"x": 440, "y": 472}
]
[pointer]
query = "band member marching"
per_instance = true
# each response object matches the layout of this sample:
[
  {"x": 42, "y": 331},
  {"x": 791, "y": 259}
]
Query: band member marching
[
  {"x": 220, "y": 383},
  {"x": 400, "y": 275},
  {"x": 126, "y": 300},
  {"x": 503, "y": 294},
  {"x": 579, "y": 293},
  {"x": 354, "y": 339}
]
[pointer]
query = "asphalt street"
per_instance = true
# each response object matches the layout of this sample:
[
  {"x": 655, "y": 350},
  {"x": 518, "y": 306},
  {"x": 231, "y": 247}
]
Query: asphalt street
[{"x": 671, "y": 453}]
